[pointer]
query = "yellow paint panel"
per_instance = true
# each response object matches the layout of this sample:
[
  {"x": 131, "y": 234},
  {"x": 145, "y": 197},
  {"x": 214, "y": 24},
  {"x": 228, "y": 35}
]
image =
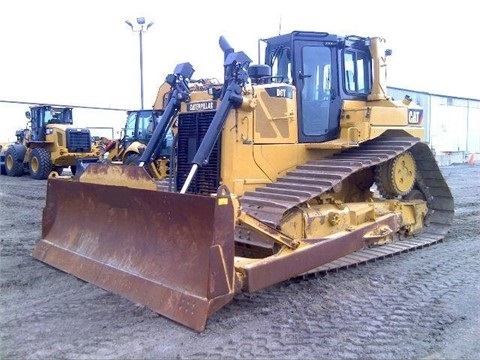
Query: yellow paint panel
[
  {"x": 275, "y": 117},
  {"x": 388, "y": 116},
  {"x": 223, "y": 201}
]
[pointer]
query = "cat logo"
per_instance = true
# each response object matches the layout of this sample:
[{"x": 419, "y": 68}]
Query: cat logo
[
  {"x": 415, "y": 116},
  {"x": 202, "y": 106}
]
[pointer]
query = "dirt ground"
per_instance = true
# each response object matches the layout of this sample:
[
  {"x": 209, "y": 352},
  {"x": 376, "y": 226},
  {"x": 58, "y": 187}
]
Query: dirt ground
[{"x": 424, "y": 304}]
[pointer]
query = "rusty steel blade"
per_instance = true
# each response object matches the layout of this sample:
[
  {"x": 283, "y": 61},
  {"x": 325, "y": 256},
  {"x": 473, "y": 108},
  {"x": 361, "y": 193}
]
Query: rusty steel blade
[{"x": 173, "y": 253}]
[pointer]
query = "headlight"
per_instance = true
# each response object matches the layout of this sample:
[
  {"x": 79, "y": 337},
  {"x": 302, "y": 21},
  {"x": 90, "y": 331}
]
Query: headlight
[{"x": 48, "y": 131}]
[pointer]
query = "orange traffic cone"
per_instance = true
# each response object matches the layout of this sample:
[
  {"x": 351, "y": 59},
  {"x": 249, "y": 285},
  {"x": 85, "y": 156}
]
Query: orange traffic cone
[{"x": 471, "y": 159}]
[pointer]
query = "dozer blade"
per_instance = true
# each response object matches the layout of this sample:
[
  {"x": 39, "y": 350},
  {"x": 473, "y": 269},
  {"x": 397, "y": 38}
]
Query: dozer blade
[{"x": 173, "y": 253}]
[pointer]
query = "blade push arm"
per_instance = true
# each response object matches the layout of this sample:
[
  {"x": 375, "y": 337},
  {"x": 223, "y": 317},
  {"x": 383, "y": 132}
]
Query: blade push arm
[
  {"x": 236, "y": 65},
  {"x": 179, "y": 93}
]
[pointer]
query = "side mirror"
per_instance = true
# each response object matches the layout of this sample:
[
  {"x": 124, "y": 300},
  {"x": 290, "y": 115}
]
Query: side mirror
[{"x": 28, "y": 115}]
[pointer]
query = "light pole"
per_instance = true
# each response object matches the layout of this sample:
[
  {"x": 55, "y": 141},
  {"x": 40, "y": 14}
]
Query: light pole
[{"x": 140, "y": 27}]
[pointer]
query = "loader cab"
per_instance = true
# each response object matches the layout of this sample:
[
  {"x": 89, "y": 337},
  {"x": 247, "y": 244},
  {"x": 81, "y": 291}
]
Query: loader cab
[
  {"x": 140, "y": 126},
  {"x": 325, "y": 69},
  {"x": 41, "y": 116}
]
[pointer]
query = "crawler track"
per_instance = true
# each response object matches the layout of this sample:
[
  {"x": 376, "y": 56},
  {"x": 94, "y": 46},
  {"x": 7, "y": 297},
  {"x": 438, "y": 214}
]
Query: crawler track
[{"x": 308, "y": 181}]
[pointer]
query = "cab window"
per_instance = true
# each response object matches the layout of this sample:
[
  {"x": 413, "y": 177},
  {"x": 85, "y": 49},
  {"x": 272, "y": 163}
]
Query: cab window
[
  {"x": 281, "y": 66},
  {"x": 356, "y": 74}
]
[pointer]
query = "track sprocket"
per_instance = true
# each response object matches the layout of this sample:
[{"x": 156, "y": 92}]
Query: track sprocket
[{"x": 396, "y": 176}]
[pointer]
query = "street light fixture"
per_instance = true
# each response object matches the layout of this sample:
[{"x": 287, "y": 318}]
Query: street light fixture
[{"x": 140, "y": 27}]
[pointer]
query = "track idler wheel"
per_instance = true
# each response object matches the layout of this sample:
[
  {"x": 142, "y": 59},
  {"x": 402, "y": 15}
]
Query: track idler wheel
[{"x": 396, "y": 176}]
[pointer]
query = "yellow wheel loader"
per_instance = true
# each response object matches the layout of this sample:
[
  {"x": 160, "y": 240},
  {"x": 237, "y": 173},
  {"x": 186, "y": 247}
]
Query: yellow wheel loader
[
  {"x": 288, "y": 168},
  {"x": 49, "y": 144}
]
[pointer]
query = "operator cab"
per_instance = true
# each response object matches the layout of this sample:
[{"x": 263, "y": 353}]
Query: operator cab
[
  {"x": 140, "y": 126},
  {"x": 43, "y": 115},
  {"x": 325, "y": 69}
]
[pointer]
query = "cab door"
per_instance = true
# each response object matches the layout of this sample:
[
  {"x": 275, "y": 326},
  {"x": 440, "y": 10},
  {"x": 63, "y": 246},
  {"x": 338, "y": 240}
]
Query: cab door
[
  {"x": 38, "y": 122},
  {"x": 318, "y": 100}
]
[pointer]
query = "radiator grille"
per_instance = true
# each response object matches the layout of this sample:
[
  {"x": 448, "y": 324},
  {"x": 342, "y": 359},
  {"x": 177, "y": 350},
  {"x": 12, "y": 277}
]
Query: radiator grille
[
  {"x": 79, "y": 140},
  {"x": 191, "y": 130}
]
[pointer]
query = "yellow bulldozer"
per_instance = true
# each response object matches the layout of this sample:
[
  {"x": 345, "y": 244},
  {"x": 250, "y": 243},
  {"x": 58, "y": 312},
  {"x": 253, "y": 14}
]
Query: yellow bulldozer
[
  {"x": 290, "y": 167},
  {"x": 48, "y": 144}
]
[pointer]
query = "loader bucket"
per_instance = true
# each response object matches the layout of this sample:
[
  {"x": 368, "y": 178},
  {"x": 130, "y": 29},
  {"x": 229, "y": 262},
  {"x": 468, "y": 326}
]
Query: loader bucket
[{"x": 173, "y": 253}]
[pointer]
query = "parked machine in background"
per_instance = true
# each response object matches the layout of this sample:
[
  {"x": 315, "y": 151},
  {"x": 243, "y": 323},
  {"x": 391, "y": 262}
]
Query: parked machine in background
[
  {"x": 3, "y": 148},
  {"x": 49, "y": 144},
  {"x": 136, "y": 134},
  {"x": 288, "y": 167}
]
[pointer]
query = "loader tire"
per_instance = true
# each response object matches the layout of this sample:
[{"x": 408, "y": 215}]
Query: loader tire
[
  {"x": 132, "y": 159},
  {"x": 58, "y": 170},
  {"x": 14, "y": 161},
  {"x": 40, "y": 164},
  {"x": 53, "y": 174}
]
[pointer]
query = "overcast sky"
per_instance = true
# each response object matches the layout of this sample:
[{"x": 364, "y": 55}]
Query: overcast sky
[{"x": 83, "y": 53}]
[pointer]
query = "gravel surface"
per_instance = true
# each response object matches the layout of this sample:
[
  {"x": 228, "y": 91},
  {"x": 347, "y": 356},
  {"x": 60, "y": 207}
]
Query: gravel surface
[{"x": 424, "y": 304}]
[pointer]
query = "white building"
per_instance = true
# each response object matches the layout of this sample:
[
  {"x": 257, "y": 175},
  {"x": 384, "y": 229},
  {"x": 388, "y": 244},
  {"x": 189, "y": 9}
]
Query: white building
[{"x": 452, "y": 124}]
